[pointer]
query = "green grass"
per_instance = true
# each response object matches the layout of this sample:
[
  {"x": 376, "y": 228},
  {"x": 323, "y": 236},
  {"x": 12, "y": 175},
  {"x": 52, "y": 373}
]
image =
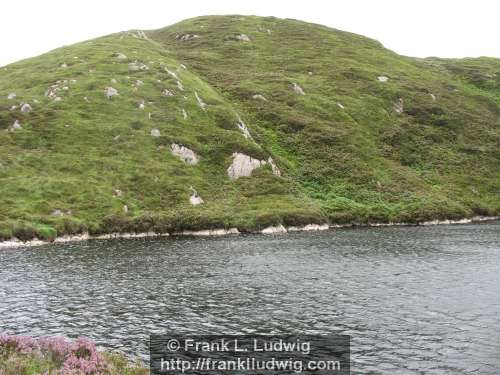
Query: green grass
[{"x": 438, "y": 159}]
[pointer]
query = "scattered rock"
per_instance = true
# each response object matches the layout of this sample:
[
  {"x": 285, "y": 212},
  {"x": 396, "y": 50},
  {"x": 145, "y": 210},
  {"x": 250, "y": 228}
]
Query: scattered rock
[
  {"x": 114, "y": 81},
  {"x": 85, "y": 98},
  {"x": 72, "y": 81},
  {"x": 141, "y": 105},
  {"x": 242, "y": 166},
  {"x": 243, "y": 37},
  {"x": 136, "y": 65},
  {"x": 340, "y": 105},
  {"x": 110, "y": 92},
  {"x": 195, "y": 199},
  {"x": 13, "y": 108},
  {"x": 125, "y": 208},
  {"x": 382, "y": 78},
  {"x": 138, "y": 82},
  {"x": 35, "y": 101},
  {"x": 310, "y": 73},
  {"x": 183, "y": 66},
  {"x": 116, "y": 137},
  {"x": 201, "y": 103},
  {"x": 167, "y": 92},
  {"x": 121, "y": 56},
  {"x": 64, "y": 65},
  {"x": 149, "y": 115},
  {"x": 184, "y": 114},
  {"x": 57, "y": 213},
  {"x": 15, "y": 126},
  {"x": 57, "y": 99},
  {"x": 171, "y": 73},
  {"x": 117, "y": 193},
  {"x": 259, "y": 97},
  {"x": 11, "y": 96},
  {"x": 187, "y": 37},
  {"x": 399, "y": 106},
  {"x": 274, "y": 230},
  {"x": 26, "y": 108},
  {"x": 155, "y": 132},
  {"x": 65, "y": 88},
  {"x": 180, "y": 86},
  {"x": 244, "y": 129},
  {"x": 433, "y": 97},
  {"x": 187, "y": 155},
  {"x": 297, "y": 89},
  {"x": 67, "y": 125}
]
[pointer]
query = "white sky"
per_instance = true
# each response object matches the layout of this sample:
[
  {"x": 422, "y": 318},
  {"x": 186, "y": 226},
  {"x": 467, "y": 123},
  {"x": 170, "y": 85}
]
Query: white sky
[{"x": 420, "y": 28}]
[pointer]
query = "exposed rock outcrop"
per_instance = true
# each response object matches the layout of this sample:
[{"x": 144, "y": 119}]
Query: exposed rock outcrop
[
  {"x": 121, "y": 56},
  {"x": 243, "y": 37},
  {"x": 297, "y": 89},
  {"x": 200, "y": 101},
  {"x": 110, "y": 92},
  {"x": 382, "y": 78},
  {"x": 187, "y": 37},
  {"x": 244, "y": 129},
  {"x": 15, "y": 126},
  {"x": 155, "y": 132},
  {"x": 167, "y": 92},
  {"x": 243, "y": 165},
  {"x": 274, "y": 230},
  {"x": 137, "y": 65},
  {"x": 259, "y": 97},
  {"x": 11, "y": 96},
  {"x": 184, "y": 114},
  {"x": 187, "y": 155},
  {"x": 26, "y": 108},
  {"x": 195, "y": 199}
]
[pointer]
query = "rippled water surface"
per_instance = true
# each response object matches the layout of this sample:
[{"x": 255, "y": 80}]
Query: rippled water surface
[{"x": 416, "y": 300}]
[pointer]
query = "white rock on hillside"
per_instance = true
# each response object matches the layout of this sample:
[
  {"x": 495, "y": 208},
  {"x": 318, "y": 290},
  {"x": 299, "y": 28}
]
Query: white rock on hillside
[
  {"x": 259, "y": 97},
  {"x": 172, "y": 74},
  {"x": 382, "y": 78},
  {"x": 110, "y": 92},
  {"x": 167, "y": 92},
  {"x": 201, "y": 103},
  {"x": 340, "y": 105},
  {"x": 180, "y": 86},
  {"x": 195, "y": 199},
  {"x": 244, "y": 129},
  {"x": 155, "y": 132},
  {"x": 183, "y": 66},
  {"x": 242, "y": 166},
  {"x": 433, "y": 97},
  {"x": 297, "y": 89},
  {"x": 15, "y": 126},
  {"x": 121, "y": 56},
  {"x": 136, "y": 65},
  {"x": 26, "y": 108},
  {"x": 187, "y": 37},
  {"x": 187, "y": 155},
  {"x": 11, "y": 96},
  {"x": 64, "y": 65},
  {"x": 243, "y": 37},
  {"x": 184, "y": 114},
  {"x": 114, "y": 81},
  {"x": 141, "y": 105},
  {"x": 399, "y": 106}
]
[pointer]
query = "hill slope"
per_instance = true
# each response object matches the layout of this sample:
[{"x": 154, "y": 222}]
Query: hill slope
[{"x": 321, "y": 125}]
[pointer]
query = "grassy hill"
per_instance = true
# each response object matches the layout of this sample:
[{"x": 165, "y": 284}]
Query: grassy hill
[{"x": 357, "y": 132}]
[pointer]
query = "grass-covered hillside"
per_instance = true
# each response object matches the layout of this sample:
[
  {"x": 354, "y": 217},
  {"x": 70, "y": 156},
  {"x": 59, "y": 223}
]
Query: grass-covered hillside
[{"x": 140, "y": 131}]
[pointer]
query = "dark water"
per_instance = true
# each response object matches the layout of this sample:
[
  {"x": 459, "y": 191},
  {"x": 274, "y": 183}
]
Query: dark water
[{"x": 416, "y": 300}]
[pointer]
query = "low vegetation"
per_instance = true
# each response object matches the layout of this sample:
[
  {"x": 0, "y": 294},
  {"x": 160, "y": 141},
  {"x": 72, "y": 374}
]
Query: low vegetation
[
  {"x": 376, "y": 137},
  {"x": 24, "y": 355}
]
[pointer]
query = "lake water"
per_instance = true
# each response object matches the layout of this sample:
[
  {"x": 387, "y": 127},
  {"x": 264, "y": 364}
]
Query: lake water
[{"x": 416, "y": 300}]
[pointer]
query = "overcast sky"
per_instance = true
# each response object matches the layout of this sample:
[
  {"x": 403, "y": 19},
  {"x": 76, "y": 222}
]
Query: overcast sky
[{"x": 420, "y": 28}]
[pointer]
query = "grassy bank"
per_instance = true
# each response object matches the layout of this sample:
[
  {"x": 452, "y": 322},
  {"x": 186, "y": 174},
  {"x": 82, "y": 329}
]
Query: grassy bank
[{"x": 377, "y": 137}]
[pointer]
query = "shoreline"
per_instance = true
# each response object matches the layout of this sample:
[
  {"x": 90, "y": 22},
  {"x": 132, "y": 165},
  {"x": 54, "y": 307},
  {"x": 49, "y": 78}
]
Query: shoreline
[{"x": 279, "y": 229}]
